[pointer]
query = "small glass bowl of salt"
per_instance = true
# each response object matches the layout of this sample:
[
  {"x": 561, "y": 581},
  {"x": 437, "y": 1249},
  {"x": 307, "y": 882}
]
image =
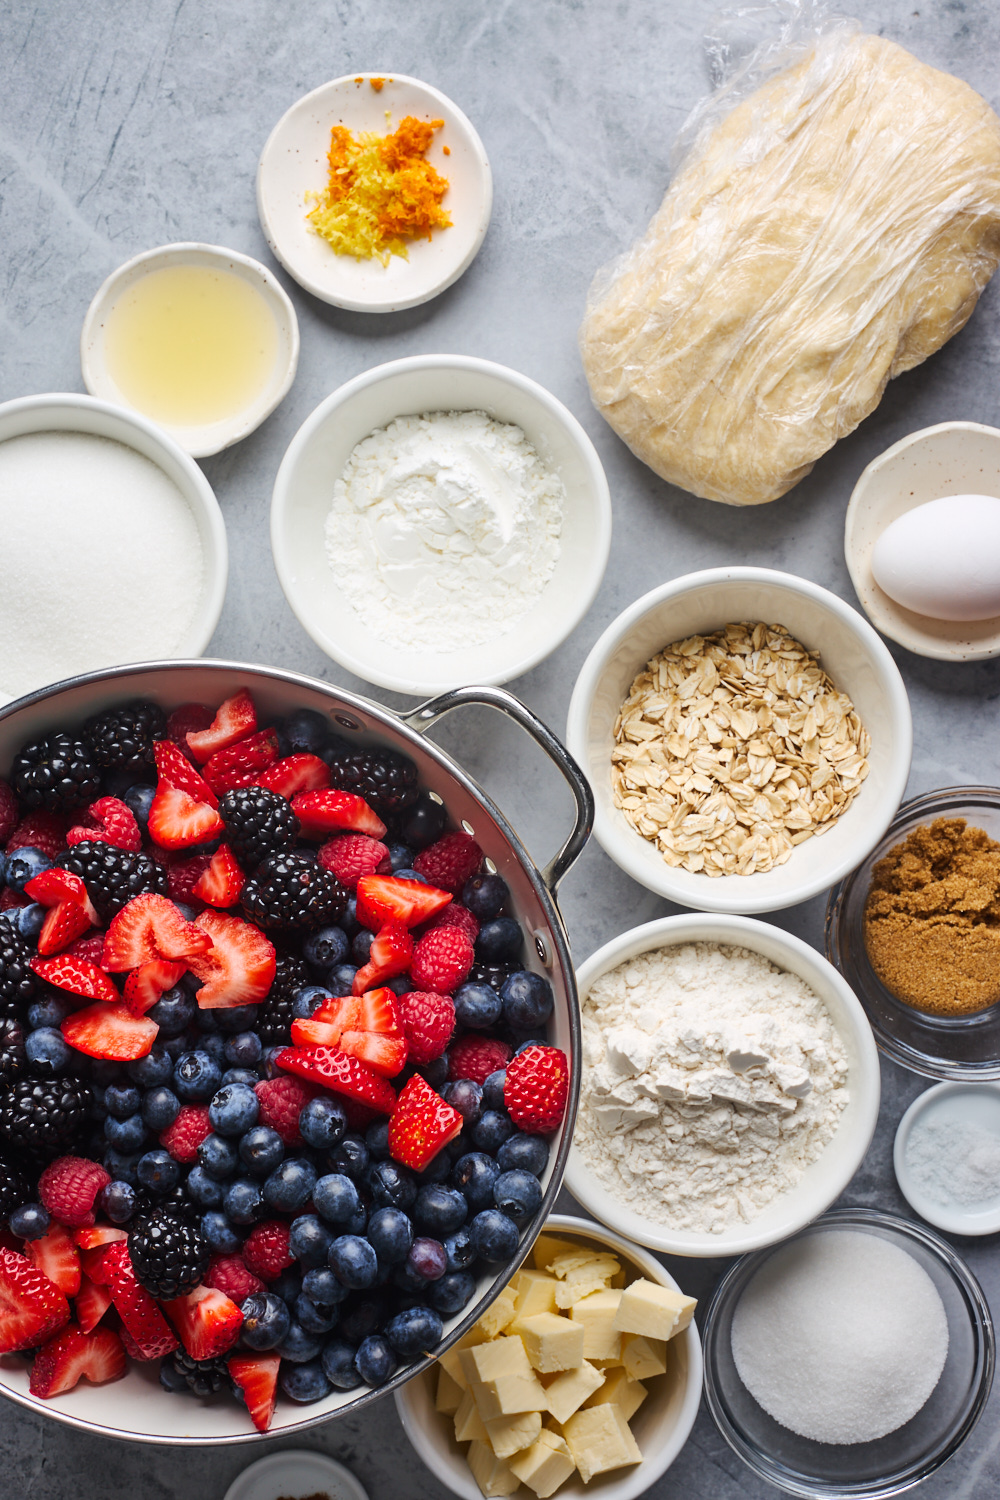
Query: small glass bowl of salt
[
  {"x": 852, "y": 1360},
  {"x": 947, "y": 1157}
]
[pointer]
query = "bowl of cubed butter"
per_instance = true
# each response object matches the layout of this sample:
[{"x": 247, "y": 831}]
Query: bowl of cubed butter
[{"x": 583, "y": 1376}]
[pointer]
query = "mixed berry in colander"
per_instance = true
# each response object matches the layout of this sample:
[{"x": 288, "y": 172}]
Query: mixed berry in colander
[{"x": 274, "y": 1083}]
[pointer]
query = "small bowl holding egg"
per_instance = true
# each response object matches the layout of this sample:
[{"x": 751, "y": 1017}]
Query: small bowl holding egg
[{"x": 922, "y": 541}]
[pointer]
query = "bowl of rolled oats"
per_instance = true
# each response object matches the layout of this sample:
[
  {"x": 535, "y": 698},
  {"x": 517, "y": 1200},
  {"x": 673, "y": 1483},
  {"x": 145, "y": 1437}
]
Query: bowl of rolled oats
[{"x": 748, "y": 738}]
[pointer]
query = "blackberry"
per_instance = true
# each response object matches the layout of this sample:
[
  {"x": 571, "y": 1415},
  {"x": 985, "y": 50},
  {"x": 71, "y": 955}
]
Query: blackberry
[
  {"x": 169, "y": 1255},
  {"x": 56, "y": 773},
  {"x": 15, "y": 1189},
  {"x": 291, "y": 892},
  {"x": 43, "y": 1118},
  {"x": 176, "y": 1202},
  {"x": 384, "y": 778},
  {"x": 258, "y": 823},
  {"x": 122, "y": 738},
  {"x": 112, "y": 876},
  {"x": 275, "y": 1012},
  {"x": 18, "y": 986},
  {"x": 203, "y": 1376},
  {"x": 13, "y": 1057}
]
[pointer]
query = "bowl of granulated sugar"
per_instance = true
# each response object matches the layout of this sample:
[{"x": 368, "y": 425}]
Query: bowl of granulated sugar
[
  {"x": 114, "y": 545},
  {"x": 854, "y": 1359}
]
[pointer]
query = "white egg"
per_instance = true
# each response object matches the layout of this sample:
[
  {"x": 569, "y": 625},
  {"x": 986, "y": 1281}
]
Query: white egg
[{"x": 942, "y": 559}]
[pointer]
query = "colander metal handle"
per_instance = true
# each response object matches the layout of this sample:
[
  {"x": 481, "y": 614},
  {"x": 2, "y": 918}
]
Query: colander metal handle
[{"x": 422, "y": 718}]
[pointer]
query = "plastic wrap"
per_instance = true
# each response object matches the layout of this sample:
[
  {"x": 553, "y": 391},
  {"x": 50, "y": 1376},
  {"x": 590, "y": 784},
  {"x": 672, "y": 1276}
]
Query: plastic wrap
[{"x": 833, "y": 219}]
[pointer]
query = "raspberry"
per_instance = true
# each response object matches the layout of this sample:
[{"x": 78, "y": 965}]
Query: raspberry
[
  {"x": 12, "y": 899},
  {"x": 186, "y": 1134},
  {"x": 281, "y": 1102},
  {"x": 68, "y": 1188},
  {"x": 476, "y": 1057},
  {"x": 265, "y": 1249},
  {"x": 183, "y": 875},
  {"x": 110, "y": 822},
  {"x": 536, "y": 1089},
  {"x": 190, "y": 718},
  {"x": 428, "y": 1022},
  {"x": 8, "y": 811},
  {"x": 450, "y": 862},
  {"x": 351, "y": 855},
  {"x": 39, "y": 830},
  {"x": 441, "y": 960},
  {"x": 457, "y": 915},
  {"x": 90, "y": 946},
  {"x": 227, "y": 1273}
]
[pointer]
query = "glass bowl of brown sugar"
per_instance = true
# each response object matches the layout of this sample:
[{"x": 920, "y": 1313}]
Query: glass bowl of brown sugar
[{"x": 915, "y": 931}]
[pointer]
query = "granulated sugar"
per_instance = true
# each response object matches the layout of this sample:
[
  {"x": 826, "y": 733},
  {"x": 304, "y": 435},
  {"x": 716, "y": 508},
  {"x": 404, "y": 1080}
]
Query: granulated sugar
[
  {"x": 954, "y": 1161},
  {"x": 840, "y": 1336},
  {"x": 102, "y": 561}
]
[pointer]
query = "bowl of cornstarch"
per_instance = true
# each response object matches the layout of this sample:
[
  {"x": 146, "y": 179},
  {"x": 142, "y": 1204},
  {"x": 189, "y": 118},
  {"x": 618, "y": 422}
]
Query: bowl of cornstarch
[
  {"x": 440, "y": 520},
  {"x": 947, "y": 1157},
  {"x": 854, "y": 1359}
]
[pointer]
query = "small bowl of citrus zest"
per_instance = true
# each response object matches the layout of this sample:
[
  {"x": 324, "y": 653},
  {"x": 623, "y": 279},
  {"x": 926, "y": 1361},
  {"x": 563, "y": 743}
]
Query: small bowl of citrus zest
[{"x": 350, "y": 121}]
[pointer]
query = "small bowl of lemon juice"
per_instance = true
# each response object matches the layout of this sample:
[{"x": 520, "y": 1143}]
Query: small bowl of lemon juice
[{"x": 200, "y": 339}]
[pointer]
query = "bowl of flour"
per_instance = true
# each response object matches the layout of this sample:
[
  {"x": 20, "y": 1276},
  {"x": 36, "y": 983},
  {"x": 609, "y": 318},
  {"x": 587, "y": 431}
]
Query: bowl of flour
[
  {"x": 730, "y": 1087},
  {"x": 440, "y": 520}
]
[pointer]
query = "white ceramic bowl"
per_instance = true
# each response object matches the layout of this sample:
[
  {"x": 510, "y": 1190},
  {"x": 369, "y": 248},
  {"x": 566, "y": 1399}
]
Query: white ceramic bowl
[
  {"x": 84, "y": 414},
  {"x": 212, "y": 437},
  {"x": 953, "y": 458},
  {"x": 315, "y": 460},
  {"x": 858, "y": 663},
  {"x": 661, "y": 1425},
  {"x": 826, "y": 1177},
  {"x": 293, "y": 164},
  {"x": 971, "y": 1104},
  {"x": 296, "y": 1471}
]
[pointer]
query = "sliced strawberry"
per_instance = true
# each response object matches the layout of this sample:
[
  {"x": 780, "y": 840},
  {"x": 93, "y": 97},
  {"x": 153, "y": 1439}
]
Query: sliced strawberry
[
  {"x": 343, "y": 1074},
  {"x": 150, "y": 981},
  {"x": 147, "y": 1326},
  {"x": 56, "y": 1256},
  {"x": 92, "y": 1302},
  {"x": 132, "y": 1349},
  {"x": 110, "y": 1031},
  {"x": 108, "y": 821},
  {"x": 241, "y": 764},
  {"x": 257, "y": 1377},
  {"x": 313, "y": 1033},
  {"x": 341, "y": 1011},
  {"x": 239, "y": 969},
  {"x": 150, "y": 927},
  {"x": 176, "y": 820},
  {"x": 234, "y": 721},
  {"x": 385, "y": 1055},
  {"x": 62, "y": 926},
  {"x": 32, "y": 1308},
  {"x": 326, "y": 812},
  {"x": 92, "y": 1259},
  {"x": 383, "y": 896},
  {"x": 72, "y": 1355},
  {"x": 56, "y": 885},
  {"x": 188, "y": 719},
  {"x": 207, "y": 1321},
  {"x": 98, "y": 1236},
  {"x": 176, "y": 770},
  {"x": 222, "y": 881},
  {"x": 389, "y": 955},
  {"x": 296, "y": 773},
  {"x": 423, "y": 1123},
  {"x": 77, "y": 975}
]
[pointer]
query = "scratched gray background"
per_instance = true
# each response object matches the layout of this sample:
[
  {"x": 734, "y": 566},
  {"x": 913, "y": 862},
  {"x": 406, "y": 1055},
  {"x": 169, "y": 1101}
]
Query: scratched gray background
[{"x": 126, "y": 125}]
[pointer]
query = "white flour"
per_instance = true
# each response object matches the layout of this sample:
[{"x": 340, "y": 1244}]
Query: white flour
[
  {"x": 711, "y": 1080},
  {"x": 444, "y": 529}
]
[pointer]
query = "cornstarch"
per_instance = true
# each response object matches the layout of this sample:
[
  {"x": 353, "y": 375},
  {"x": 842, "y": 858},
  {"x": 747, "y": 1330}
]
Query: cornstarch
[{"x": 954, "y": 1161}]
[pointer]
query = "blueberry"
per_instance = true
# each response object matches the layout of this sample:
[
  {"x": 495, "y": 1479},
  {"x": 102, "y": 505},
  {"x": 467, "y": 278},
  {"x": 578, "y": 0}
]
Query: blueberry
[
  {"x": 392, "y": 1184},
  {"x": 219, "y": 1232},
  {"x": 499, "y": 941},
  {"x": 436, "y": 1071},
  {"x": 477, "y": 1006},
  {"x": 527, "y": 1153},
  {"x": 196, "y": 1075},
  {"x": 390, "y": 1233},
  {"x": 458, "y": 1248},
  {"x": 156, "y": 1067},
  {"x": 290, "y": 1185},
  {"x": 494, "y": 1236},
  {"x": 466, "y": 1097},
  {"x": 304, "y": 1382},
  {"x": 485, "y": 896},
  {"x": 349, "y": 1156},
  {"x": 405, "y": 874},
  {"x": 412, "y": 1332},
  {"x": 51, "y": 1010},
  {"x": 234, "y": 1110},
  {"x": 261, "y": 1150},
  {"x": 374, "y": 1361},
  {"x": 493, "y": 1089},
  {"x": 363, "y": 1315},
  {"x": 157, "y": 1170},
  {"x": 428, "y": 1258},
  {"x": 527, "y": 1000},
  {"x": 298, "y": 1345},
  {"x": 202, "y": 1189},
  {"x": 325, "y": 948},
  {"x": 243, "y": 1050},
  {"x": 160, "y": 1107},
  {"x": 517, "y": 1194},
  {"x": 353, "y": 1260},
  {"x": 176, "y": 1046},
  {"x": 232, "y": 1019},
  {"x": 453, "y": 1292},
  {"x": 492, "y": 1128},
  {"x": 240, "y": 1075},
  {"x": 103, "y": 1071},
  {"x": 306, "y": 731},
  {"x": 30, "y": 1221},
  {"x": 338, "y": 1365},
  {"x": 438, "y": 1169},
  {"x": 340, "y": 978},
  {"x": 268, "y": 1067},
  {"x": 120, "y": 1167},
  {"x": 29, "y": 920},
  {"x": 361, "y": 946},
  {"x": 422, "y": 823},
  {"x": 266, "y": 1321},
  {"x": 23, "y": 865},
  {"x": 187, "y": 911},
  {"x": 377, "y": 1140},
  {"x": 336, "y": 1198},
  {"x": 357, "y": 1223},
  {"x": 243, "y": 1201},
  {"x": 322, "y": 1122},
  {"x": 314, "y": 1319},
  {"x": 401, "y": 857},
  {"x": 48, "y": 1052},
  {"x": 216, "y": 1049},
  {"x": 400, "y": 984},
  {"x": 218, "y": 1157},
  {"x": 322, "y": 1287},
  {"x": 309, "y": 1241},
  {"x": 173, "y": 1012},
  {"x": 308, "y": 999},
  {"x": 289, "y": 1284},
  {"x": 128, "y": 1135},
  {"x": 474, "y": 1175},
  {"x": 440, "y": 1210},
  {"x": 139, "y": 799},
  {"x": 117, "y": 1200}
]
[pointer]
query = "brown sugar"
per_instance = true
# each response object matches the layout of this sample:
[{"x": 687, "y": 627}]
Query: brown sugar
[{"x": 932, "y": 919}]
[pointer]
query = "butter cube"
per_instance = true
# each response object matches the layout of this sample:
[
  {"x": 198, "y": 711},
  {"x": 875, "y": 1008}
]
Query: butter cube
[
  {"x": 657, "y": 1312},
  {"x": 567, "y": 1392},
  {"x": 508, "y": 1435},
  {"x": 599, "y": 1439},
  {"x": 643, "y": 1358},
  {"x": 548, "y": 1246},
  {"x": 550, "y": 1342},
  {"x": 469, "y": 1424},
  {"x": 597, "y": 1313},
  {"x": 625, "y": 1393},
  {"x": 544, "y": 1466},
  {"x": 534, "y": 1292},
  {"x": 581, "y": 1272},
  {"x": 498, "y": 1315},
  {"x": 508, "y": 1395},
  {"x": 451, "y": 1360},
  {"x": 504, "y": 1356},
  {"x": 490, "y": 1473},
  {"x": 449, "y": 1393}
]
